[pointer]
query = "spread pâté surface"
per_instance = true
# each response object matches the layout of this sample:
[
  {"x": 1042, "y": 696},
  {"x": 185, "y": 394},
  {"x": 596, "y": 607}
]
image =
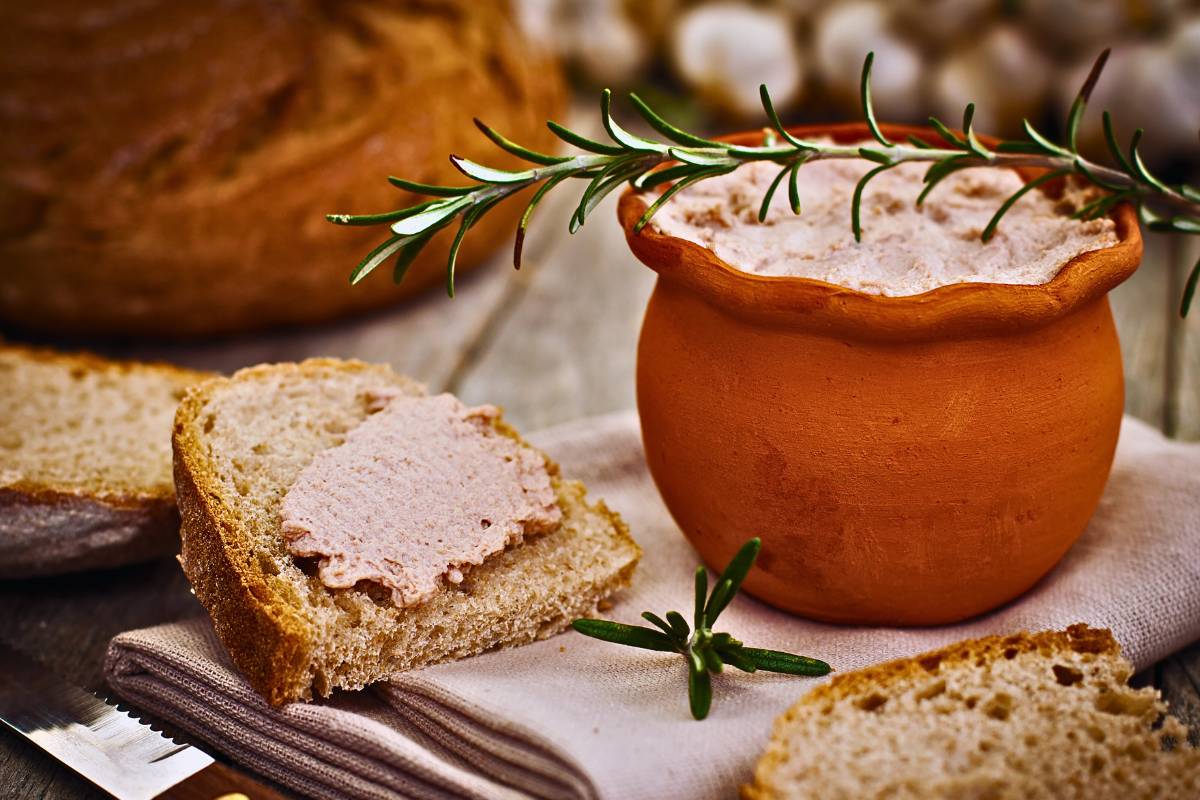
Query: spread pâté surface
[
  {"x": 424, "y": 488},
  {"x": 906, "y": 249}
]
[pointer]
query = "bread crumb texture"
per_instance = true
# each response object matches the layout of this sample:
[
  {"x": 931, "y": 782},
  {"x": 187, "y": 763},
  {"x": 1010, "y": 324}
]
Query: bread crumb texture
[
  {"x": 241, "y": 443},
  {"x": 1042, "y": 715},
  {"x": 85, "y": 460},
  {"x": 80, "y": 423},
  {"x": 906, "y": 249}
]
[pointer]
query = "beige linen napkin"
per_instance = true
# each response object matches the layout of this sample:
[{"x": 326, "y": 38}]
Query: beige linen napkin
[{"x": 576, "y": 718}]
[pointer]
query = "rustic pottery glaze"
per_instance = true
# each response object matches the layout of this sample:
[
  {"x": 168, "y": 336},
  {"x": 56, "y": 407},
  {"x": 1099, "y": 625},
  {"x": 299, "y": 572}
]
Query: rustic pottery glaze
[{"x": 906, "y": 460}]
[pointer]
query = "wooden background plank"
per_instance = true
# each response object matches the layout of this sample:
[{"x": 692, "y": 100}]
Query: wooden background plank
[
  {"x": 423, "y": 338},
  {"x": 566, "y": 348},
  {"x": 1184, "y": 379},
  {"x": 66, "y": 622},
  {"x": 1179, "y": 679},
  {"x": 1136, "y": 306}
]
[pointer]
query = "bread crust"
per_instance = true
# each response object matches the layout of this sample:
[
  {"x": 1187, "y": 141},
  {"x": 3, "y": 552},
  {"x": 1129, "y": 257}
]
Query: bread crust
[
  {"x": 268, "y": 640},
  {"x": 267, "y": 637},
  {"x": 93, "y": 361},
  {"x": 48, "y": 532},
  {"x": 49, "y": 527},
  {"x": 1078, "y": 638}
]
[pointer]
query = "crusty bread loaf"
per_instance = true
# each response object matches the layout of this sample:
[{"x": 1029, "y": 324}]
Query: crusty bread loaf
[
  {"x": 166, "y": 165},
  {"x": 240, "y": 444},
  {"x": 85, "y": 461},
  {"x": 1043, "y": 715}
]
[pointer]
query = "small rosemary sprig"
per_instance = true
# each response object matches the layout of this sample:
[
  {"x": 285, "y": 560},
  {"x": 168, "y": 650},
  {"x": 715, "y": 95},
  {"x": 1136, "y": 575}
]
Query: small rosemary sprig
[
  {"x": 705, "y": 651},
  {"x": 686, "y": 158}
]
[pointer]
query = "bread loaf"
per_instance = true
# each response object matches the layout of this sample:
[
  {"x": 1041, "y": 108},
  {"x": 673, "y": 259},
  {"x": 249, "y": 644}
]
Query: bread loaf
[{"x": 166, "y": 165}]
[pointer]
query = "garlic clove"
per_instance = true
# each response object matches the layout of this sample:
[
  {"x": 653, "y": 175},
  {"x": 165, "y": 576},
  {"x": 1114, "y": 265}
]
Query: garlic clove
[
  {"x": 843, "y": 35},
  {"x": 942, "y": 23},
  {"x": 1004, "y": 74},
  {"x": 597, "y": 37},
  {"x": 1153, "y": 82},
  {"x": 724, "y": 50}
]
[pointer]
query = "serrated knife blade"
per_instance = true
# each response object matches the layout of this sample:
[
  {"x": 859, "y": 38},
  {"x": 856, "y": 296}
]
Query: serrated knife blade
[{"x": 111, "y": 749}]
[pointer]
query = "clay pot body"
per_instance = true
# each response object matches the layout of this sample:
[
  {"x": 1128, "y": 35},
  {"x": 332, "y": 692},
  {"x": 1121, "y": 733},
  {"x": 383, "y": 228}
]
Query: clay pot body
[{"x": 905, "y": 460}]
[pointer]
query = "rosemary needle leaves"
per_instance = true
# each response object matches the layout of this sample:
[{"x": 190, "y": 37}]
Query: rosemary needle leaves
[
  {"x": 681, "y": 158},
  {"x": 705, "y": 651}
]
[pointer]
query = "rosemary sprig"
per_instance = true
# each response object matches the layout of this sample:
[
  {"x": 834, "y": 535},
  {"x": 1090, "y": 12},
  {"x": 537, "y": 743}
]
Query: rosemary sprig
[
  {"x": 683, "y": 158},
  {"x": 705, "y": 651}
]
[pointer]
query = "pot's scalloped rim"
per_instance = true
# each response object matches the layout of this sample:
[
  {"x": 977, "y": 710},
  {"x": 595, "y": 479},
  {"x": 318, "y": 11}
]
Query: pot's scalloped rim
[{"x": 957, "y": 310}]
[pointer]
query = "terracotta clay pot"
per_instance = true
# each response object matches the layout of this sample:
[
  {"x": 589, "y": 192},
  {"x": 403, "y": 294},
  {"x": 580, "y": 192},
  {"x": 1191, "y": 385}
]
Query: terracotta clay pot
[{"x": 906, "y": 460}]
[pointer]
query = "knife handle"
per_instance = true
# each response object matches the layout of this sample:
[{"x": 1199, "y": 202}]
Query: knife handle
[{"x": 219, "y": 782}]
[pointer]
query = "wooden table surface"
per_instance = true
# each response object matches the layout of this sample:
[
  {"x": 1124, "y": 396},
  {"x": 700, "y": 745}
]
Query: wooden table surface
[{"x": 551, "y": 343}]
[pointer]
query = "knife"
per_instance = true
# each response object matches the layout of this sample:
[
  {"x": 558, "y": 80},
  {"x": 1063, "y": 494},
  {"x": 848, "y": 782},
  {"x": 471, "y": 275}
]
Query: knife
[{"x": 118, "y": 753}]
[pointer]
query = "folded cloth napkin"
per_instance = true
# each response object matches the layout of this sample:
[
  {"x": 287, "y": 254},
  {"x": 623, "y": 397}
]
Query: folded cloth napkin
[{"x": 573, "y": 717}]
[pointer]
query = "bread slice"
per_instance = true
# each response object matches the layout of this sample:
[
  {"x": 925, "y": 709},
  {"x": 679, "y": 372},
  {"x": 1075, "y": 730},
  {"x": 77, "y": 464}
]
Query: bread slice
[
  {"x": 240, "y": 443},
  {"x": 1041, "y": 715},
  {"x": 85, "y": 461}
]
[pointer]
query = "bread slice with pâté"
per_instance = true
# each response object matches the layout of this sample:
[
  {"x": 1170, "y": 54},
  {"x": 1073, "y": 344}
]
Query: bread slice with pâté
[
  {"x": 241, "y": 443},
  {"x": 85, "y": 460},
  {"x": 1036, "y": 716}
]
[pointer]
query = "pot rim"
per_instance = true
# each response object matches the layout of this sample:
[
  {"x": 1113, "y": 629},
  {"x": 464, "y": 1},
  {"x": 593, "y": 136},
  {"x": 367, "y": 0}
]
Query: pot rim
[{"x": 959, "y": 310}]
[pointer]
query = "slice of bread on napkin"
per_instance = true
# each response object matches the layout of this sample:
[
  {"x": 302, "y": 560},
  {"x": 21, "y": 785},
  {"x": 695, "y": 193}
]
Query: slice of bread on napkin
[
  {"x": 85, "y": 460},
  {"x": 1041, "y": 715},
  {"x": 241, "y": 444}
]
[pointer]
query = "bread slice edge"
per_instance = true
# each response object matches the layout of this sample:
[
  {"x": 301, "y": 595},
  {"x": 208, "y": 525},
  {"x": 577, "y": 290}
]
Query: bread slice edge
[
  {"x": 48, "y": 527},
  {"x": 269, "y": 639},
  {"x": 1079, "y": 639},
  {"x": 50, "y": 532}
]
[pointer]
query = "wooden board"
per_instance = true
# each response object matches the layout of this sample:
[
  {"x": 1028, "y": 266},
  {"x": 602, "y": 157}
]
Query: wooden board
[
  {"x": 423, "y": 338},
  {"x": 566, "y": 346},
  {"x": 66, "y": 623},
  {"x": 1138, "y": 306},
  {"x": 1183, "y": 380}
]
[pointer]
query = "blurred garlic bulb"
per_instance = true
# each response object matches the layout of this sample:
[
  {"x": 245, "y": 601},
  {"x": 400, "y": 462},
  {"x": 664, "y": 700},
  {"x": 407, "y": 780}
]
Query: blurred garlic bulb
[
  {"x": 537, "y": 20},
  {"x": 1076, "y": 23},
  {"x": 1003, "y": 74},
  {"x": 1145, "y": 14},
  {"x": 800, "y": 9},
  {"x": 724, "y": 50},
  {"x": 1082, "y": 25},
  {"x": 594, "y": 36},
  {"x": 842, "y": 37},
  {"x": 1153, "y": 85},
  {"x": 942, "y": 23},
  {"x": 608, "y": 47},
  {"x": 1184, "y": 47},
  {"x": 653, "y": 19}
]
